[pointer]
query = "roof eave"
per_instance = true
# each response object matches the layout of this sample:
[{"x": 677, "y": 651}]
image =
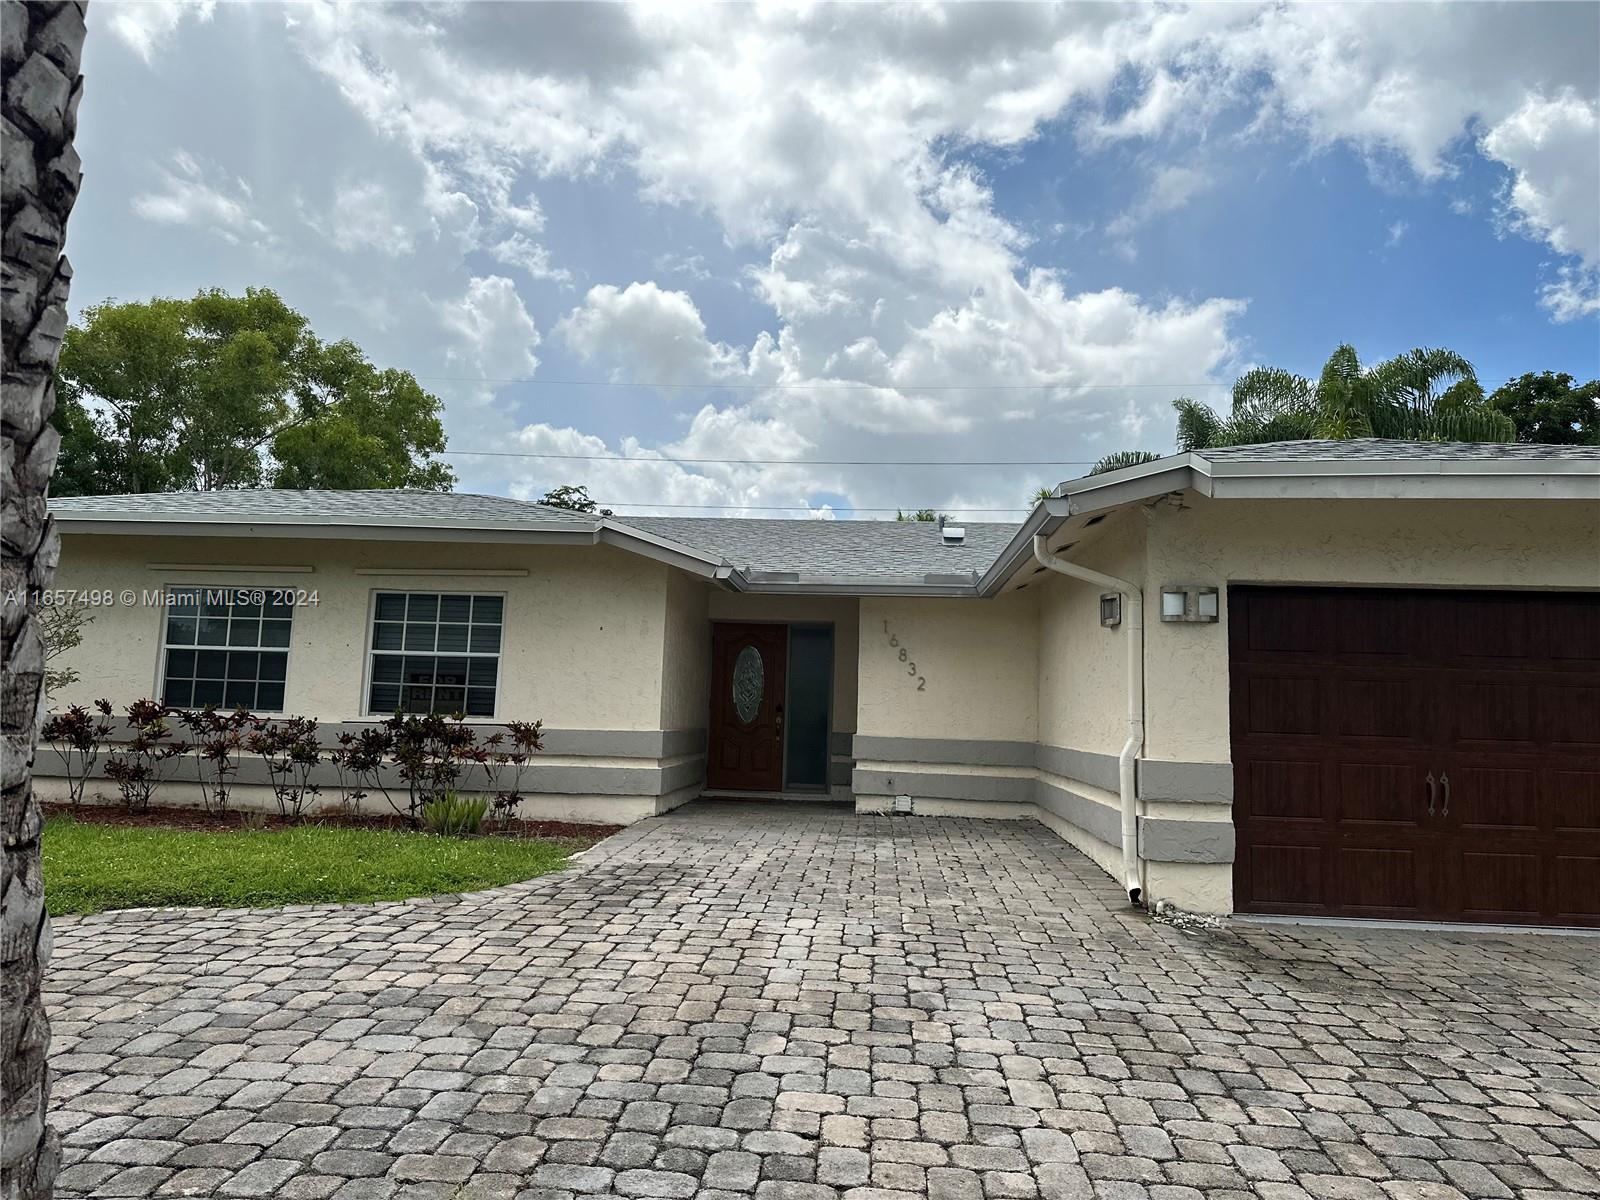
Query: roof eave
[{"x": 408, "y": 529}]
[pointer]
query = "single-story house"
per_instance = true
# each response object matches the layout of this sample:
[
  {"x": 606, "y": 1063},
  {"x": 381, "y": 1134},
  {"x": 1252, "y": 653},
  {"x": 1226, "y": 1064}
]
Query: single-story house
[{"x": 1354, "y": 678}]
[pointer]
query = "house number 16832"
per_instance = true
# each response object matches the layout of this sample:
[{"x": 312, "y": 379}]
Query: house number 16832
[{"x": 905, "y": 656}]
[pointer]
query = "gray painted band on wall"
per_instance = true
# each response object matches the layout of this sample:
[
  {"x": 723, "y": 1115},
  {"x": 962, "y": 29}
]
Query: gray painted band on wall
[
  {"x": 1205, "y": 783},
  {"x": 1161, "y": 839},
  {"x": 537, "y": 778},
  {"x": 1159, "y": 779},
  {"x": 961, "y": 751}
]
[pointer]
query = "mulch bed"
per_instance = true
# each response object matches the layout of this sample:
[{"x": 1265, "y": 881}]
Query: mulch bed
[{"x": 200, "y": 820}]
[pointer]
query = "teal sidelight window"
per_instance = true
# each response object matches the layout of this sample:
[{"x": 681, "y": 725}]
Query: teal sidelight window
[{"x": 810, "y": 689}]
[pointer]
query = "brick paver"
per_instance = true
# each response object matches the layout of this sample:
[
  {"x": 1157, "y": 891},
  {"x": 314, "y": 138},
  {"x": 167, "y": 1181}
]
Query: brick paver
[{"x": 798, "y": 1003}]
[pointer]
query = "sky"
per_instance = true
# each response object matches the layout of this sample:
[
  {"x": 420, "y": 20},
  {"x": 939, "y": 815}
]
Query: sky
[{"x": 764, "y": 260}]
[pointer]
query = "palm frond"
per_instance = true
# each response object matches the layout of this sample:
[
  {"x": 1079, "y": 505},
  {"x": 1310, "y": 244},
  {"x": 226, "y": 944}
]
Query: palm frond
[
  {"x": 1123, "y": 458},
  {"x": 1198, "y": 424}
]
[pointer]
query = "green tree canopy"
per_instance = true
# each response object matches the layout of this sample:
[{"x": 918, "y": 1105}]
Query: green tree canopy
[
  {"x": 916, "y": 514},
  {"x": 1116, "y": 461},
  {"x": 226, "y": 391},
  {"x": 576, "y": 499},
  {"x": 1551, "y": 408},
  {"x": 1425, "y": 395}
]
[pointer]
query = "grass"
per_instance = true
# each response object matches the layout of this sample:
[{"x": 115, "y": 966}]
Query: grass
[{"x": 89, "y": 868}]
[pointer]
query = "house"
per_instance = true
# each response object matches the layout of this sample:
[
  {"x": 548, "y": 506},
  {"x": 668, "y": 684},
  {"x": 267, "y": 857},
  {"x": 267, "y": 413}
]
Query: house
[{"x": 1351, "y": 678}]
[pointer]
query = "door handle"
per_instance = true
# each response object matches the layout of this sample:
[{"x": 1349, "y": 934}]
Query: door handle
[
  {"x": 1445, "y": 781},
  {"x": 1432, "y": 792}
]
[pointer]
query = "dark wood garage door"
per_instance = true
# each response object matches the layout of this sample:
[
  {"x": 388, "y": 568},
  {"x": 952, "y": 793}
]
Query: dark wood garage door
[{"x": 1417, "y": 754}]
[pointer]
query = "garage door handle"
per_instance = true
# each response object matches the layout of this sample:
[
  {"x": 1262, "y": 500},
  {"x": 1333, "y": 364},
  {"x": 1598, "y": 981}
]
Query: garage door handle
[
  {"x": 1445, "y": 781},
  {"x": 1433, "y": 790}
]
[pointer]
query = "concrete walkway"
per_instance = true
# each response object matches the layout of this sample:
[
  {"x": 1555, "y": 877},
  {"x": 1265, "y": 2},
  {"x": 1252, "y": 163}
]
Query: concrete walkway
[{"x": 797, "y": 1002}]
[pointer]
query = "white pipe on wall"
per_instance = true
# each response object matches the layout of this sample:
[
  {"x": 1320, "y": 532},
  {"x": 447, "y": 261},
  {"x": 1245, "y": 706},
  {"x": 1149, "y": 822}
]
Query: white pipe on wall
[{"x": 1127, "y": 780}]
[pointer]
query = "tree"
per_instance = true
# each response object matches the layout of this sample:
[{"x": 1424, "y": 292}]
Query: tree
[
  {"x": 39, "y": 177},
  {"x": 920, "y": 514},
  {"x": 574, "y": 499},
  {"x": 1551, "y": 408},
  {"x": 1424, "y": 395},
  {"x": 1123, "y": 458},
  {"x": 61, "y": 626},
  {"x": 225, "y": 391}
]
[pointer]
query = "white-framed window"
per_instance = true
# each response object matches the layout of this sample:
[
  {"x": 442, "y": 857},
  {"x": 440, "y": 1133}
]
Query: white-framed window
[
  {"x": 434, "y": 652},
  {"x": 226, "y": 646}
]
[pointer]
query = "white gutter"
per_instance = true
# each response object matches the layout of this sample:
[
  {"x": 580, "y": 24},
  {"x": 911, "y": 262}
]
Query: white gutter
[{"x": 1127, "y": 780}]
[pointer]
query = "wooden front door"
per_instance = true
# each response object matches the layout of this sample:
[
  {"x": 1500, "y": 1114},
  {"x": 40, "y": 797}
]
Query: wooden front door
[
  {"x": 749, "y": 679},
  {"x": 1417, "y": 754}
]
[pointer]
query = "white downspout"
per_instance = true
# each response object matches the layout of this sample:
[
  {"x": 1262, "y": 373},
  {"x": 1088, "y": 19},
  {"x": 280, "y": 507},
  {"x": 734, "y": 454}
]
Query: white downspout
[{"x": 1133, "y": 621}]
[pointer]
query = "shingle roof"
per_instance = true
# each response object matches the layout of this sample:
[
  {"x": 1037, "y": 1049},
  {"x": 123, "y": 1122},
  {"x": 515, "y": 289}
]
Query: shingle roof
[
  {"x": 872, "y": 550},
  {"x": 354, "y": 507},
  {"x": 1385, "y": 450}
]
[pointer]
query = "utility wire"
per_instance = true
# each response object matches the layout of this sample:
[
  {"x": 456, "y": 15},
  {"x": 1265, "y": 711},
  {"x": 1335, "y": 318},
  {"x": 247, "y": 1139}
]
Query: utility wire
[
  {"x": 716, "y": 386},
  {"x": 785, "y": 462}
]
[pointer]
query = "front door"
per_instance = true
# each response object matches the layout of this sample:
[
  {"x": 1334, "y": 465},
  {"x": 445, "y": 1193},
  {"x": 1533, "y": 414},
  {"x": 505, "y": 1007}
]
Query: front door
[{"x": 749, "y": 679}]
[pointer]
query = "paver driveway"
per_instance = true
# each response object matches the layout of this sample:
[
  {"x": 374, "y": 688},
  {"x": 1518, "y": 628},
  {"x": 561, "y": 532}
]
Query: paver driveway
[{"x": 805, "y": 1003}]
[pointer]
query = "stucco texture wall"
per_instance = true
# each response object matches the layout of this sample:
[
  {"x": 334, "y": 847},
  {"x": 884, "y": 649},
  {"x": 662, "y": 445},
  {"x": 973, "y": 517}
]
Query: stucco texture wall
[
  {"x": 583, "y": 642},
  {"x": 1083, "y": 666},
  {"x": 1388, "y": 543},
  {"x": 979, "y": 660},
  {"x": 686, "y": 654}
]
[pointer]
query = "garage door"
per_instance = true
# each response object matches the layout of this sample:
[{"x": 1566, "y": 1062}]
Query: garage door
[{"x": 1417, "y": 754}]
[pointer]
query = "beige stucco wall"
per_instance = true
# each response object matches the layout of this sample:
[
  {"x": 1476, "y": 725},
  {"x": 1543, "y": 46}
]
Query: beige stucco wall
[
  {"x": 582, "y": 642},
  {"x": 1083, "y": 666},
  {"x": 980, "y": 659},
  {"x": 686, "y": 656},
  {"x": 842, "y": 612},
  {"x": 1388, "y": 543}
]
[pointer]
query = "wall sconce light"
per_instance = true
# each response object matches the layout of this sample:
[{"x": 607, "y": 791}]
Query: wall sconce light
[
  {"x": 1190, "y": 603},
  {"x": 1110, "y": 609}
]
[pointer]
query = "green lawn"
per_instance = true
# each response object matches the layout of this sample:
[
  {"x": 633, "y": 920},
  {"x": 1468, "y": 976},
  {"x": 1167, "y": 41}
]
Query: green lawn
[{"x": 92, "y": 867}]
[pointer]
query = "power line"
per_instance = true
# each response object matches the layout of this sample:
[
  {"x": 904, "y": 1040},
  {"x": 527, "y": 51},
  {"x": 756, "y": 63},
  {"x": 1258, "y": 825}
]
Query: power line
[
  {"x": 856, "y": 386},
  {"x": 785, "y": 462}
]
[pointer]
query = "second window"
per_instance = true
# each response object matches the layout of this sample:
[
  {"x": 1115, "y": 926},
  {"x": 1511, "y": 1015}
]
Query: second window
[{"x": 435, "y": 652}]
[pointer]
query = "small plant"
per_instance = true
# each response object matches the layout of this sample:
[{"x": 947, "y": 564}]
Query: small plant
[
  {"x": 454, "y": 816},
  {"x": 77, "y": 736},
  {"x": 254, "y": 821},
  {"x": 359, "y": 759},
  {"x": 291, "y": 752},
  {"x": 141, "y": 767},
  {"x": 219, "y": 739},
  {"x": 525, "y": 742}
]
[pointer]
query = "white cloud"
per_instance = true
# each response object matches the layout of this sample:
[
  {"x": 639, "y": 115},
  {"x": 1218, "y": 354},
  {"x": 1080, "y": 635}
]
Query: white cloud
[
  {"x": 492, "y": 332},
  {"x": 146, "y": 25},
  {"x": 1397, "y": 232},
  {"x": 362, "y": 217},
  {"x": 1552, "y": 147},
  {"x": 1574, "y": 293},
  {"x": 519, "y": 250},
  {"x": 658, "y": 333},
  {"x": 833, "y": 147},
  {"x": 188, "y": 197}
]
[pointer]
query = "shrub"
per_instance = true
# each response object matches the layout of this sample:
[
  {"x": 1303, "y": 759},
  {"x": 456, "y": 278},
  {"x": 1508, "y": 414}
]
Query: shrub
[
  {"x": 525, "y": 741},
  {"x": 431, "y": 751},
  {"x": 77, "y": 735},
  {"x": 291, "y": 751},
  {"x": 454, "y": 816},
  {"x": 219, "y": 740},
  {"x": 141, "y": 767}
]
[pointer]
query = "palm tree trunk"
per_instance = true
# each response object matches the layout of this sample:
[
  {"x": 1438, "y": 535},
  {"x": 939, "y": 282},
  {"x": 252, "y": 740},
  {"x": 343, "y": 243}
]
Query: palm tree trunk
[{"x": 41, "y": 44}]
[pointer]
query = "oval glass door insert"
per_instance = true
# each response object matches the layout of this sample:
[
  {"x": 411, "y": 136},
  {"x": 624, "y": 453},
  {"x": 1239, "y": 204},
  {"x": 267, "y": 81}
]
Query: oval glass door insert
[{"x": 749, "y": 681}]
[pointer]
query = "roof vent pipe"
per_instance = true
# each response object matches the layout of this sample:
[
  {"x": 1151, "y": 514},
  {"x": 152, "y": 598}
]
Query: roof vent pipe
[{"x": 1127, "y": 781}]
